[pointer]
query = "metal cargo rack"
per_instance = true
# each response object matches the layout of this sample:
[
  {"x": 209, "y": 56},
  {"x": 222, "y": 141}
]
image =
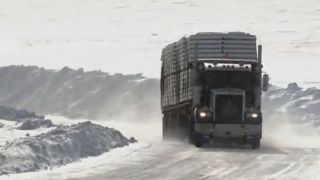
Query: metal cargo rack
[{"x": 202, "y": 47}]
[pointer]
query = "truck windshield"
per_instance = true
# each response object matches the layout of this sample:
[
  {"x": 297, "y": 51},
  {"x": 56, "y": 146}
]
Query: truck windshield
[{"x": 230, "y": 79}]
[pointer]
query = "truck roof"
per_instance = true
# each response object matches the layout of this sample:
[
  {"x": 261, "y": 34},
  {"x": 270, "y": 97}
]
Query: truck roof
[{"x": 213, "y": 45}]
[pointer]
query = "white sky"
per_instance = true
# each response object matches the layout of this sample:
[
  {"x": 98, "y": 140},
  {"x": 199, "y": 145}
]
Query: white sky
[{"x": 127, "y": 35}]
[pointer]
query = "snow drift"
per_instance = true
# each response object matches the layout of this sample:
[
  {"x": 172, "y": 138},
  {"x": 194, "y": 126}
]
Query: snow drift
[{"x": 62, "y": 145}]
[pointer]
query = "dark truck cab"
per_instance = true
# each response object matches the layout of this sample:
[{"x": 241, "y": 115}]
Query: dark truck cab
[{"x": 211, "y": 87}]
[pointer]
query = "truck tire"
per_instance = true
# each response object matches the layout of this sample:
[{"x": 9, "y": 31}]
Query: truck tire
[
  {"x": 198, "y": 143},
  {"x": 191, "y": 131},
  {"x": 255, "y": 144},
  {"x": 164, "y": 135},
  {"x": 165, "y": 128}
]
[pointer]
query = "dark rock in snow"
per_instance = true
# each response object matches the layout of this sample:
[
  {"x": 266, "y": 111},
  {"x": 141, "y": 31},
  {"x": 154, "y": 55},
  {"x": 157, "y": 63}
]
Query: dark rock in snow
[
  {"x": 63, "y": 145},
  {"x": 10, "y": 113},
  {"x": 30, "y": 124},
  {"x": 293, "y": 87},
  {"x": 132, "y": 140}
]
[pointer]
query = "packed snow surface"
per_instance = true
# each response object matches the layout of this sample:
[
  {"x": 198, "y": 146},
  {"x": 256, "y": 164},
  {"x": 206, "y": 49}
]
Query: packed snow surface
[{"x": 170, "y": 161}]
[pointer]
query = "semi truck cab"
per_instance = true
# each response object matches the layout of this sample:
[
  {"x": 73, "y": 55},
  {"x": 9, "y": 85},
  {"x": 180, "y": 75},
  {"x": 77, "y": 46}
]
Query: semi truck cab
[{"x": 229, "y": 107}]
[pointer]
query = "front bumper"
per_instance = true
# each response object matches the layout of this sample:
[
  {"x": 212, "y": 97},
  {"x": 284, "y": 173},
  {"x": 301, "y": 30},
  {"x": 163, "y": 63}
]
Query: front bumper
[{"x": 236, "y": 132}]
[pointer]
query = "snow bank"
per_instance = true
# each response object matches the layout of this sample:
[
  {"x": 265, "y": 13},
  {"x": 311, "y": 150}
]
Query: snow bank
[
  {"x": 291, "y": 117},
  {"x": 298, "y": 104},
  {"x": 62, "y": 145},
  {"x": 10, "y": 131}
]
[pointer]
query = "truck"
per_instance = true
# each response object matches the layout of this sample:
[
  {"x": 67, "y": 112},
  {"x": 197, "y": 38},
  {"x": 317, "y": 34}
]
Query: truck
[{"x": 211, "y": 85}]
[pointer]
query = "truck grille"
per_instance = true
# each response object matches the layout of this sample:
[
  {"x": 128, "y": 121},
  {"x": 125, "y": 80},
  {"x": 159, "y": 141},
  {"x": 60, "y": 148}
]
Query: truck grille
[{"x": 228, "y": 108}]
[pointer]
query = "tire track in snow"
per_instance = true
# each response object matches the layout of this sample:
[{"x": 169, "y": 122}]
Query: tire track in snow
[{"x": 281, "y": 172}]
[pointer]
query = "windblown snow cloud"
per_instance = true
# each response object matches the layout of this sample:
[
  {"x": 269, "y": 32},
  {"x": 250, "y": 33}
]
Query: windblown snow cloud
[{"x": 79, "y": 94}]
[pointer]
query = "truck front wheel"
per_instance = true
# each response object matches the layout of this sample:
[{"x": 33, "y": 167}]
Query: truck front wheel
[
  {"x": 255, "y": 144},
  {"x": 198, "y": 143}
]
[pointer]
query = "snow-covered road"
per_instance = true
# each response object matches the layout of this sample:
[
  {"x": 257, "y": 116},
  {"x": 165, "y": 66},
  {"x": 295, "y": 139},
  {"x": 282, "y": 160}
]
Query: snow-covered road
[
  {"x": 182, "y": 161},
  {"x": 153, "y": 159}
]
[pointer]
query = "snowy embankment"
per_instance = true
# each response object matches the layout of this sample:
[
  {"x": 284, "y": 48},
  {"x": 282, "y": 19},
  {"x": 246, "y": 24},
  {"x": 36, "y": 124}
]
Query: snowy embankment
[
  {"x": 49, "y": 145},
  {"x": 291, "y": 113},
  {"x": 299, "y": 105}
]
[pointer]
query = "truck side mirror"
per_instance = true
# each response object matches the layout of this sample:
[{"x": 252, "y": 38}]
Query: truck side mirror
[{"x": 265, "y": 82}]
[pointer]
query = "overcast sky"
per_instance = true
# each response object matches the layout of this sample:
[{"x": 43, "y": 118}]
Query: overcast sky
[{"x": 127, "y": 35}]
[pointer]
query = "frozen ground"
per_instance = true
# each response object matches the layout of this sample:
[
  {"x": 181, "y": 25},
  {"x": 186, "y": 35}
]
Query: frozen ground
[{"x": 285, "y": 154}]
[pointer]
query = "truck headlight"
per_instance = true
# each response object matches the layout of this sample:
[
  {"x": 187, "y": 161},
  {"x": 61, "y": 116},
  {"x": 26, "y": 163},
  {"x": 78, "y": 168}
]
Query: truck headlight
[
  {"x": 203, "y": 114},
  {"x": 254, "y": 115}
]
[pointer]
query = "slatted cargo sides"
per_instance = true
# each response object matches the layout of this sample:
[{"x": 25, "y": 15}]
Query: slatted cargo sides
[
  {"x": 176, "y": 88},
  {"x": 169, "y": 59},
  {"x": 185, "y": 89},
  {"x": 170, "y": 64},
  {"x": 183, "y": 56},
  {"x": 176, "y": 73},
  {"x": 170, "y": 90}
]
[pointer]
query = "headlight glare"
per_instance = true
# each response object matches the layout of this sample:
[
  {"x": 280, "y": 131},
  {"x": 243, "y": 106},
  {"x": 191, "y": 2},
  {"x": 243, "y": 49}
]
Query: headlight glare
[
  {"x": 254, "y": 115},
  {"x": 203, "y": 114}
]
